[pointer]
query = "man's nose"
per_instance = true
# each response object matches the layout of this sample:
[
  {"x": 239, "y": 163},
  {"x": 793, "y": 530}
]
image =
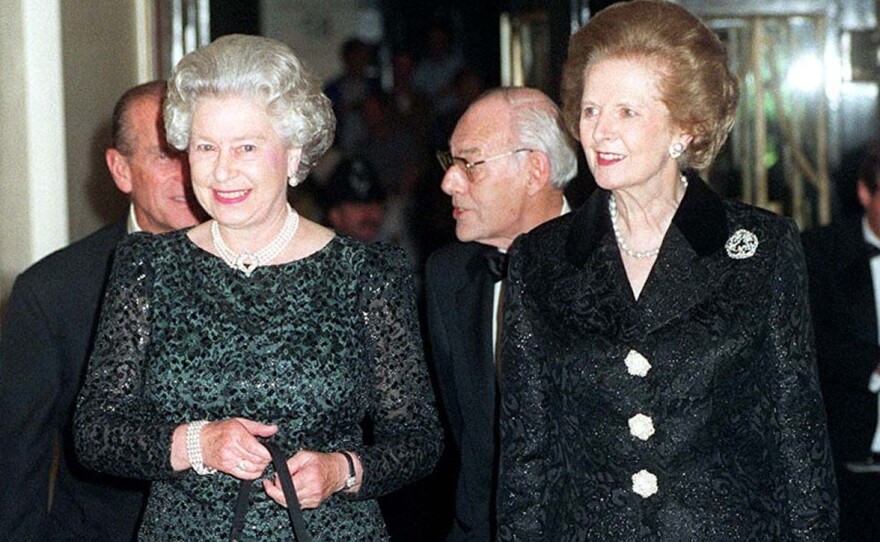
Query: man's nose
[{"x": 454, "y": 180}]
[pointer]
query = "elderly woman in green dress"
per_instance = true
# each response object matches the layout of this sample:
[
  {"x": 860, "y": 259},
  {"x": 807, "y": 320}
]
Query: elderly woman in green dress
[{"x": 257, "y": 324}]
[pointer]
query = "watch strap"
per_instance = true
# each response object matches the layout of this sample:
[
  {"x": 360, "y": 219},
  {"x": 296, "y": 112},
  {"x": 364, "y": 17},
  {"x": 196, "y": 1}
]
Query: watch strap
[{"x": 352, "y": 475}]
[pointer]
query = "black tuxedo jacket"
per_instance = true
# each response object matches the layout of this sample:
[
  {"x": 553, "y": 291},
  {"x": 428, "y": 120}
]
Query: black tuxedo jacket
[
  {"x": 459, "y": 294},
  {"x": 690, "y": 414},
  {"x": 44, "y": 346},
  {"x": 845, "y": 322}
]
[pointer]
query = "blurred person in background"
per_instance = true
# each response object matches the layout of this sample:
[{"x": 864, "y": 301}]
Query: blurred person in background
[
  {"x": 843, "y": 262},
  {"x": 47, "y": 336},
  {"x": 354, "y": 201},
  {"x": 348, "y": 91}
]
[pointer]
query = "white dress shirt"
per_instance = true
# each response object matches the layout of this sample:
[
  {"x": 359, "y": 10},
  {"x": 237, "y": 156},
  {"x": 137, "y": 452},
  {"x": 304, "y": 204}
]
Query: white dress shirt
[{"x": 132, "y": 226}]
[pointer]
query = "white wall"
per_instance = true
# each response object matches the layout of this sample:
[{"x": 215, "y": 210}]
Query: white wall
[
  {"x": 64, "y": 65},
  {"x": 33, "y": 202},
  {"x": 100, "y": 61}
]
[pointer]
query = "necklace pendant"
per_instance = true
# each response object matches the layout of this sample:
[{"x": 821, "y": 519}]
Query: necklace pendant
[{"x": 246, "y": 263}]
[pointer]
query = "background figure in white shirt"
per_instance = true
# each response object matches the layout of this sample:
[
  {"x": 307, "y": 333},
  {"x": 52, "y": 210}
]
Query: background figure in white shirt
[{"x": 843, "y": 262}]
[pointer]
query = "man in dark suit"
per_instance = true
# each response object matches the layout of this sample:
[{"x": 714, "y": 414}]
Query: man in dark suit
[
  {"x": 844, "y": 271},
  {"x": 509, "y": 160},
  {"x": 46, "y": 338}
]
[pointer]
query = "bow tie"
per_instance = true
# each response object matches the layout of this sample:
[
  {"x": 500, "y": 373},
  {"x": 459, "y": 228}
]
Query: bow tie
[
  {"x": 871, "y": 250},
  {"x": 496, "y": 262}
]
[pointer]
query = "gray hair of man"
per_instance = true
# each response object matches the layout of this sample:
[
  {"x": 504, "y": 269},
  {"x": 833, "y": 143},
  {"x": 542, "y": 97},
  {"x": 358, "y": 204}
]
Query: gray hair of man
[
  {"x": 537, "y": 121},
  {"x": 258, "y": 68}
]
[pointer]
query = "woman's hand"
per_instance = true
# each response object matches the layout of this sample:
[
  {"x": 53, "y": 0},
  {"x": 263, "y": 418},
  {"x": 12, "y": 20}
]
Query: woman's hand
[
  {"x": 230, "y": 446},
  {"x": 316, "y": 476}
]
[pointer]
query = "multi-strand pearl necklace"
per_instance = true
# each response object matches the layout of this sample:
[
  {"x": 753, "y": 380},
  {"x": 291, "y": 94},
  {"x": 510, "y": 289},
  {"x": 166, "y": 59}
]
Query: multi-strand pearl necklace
[
  {"x": 247, "y": 261},
  {"x": 638, "y": 254}
]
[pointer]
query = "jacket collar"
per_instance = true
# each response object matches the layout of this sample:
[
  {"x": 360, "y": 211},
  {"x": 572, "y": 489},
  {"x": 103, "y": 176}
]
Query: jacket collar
[{"x": 700, "y": 218}]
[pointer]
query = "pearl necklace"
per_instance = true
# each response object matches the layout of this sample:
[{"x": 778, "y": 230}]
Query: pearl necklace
[
  {"x": 247, "y": 261},
  {"x": 638, "y": 254}
]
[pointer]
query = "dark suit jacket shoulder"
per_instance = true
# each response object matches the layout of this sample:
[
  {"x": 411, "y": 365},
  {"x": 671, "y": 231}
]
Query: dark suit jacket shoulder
[
  {"x": 44, "y": 346},
  {"x": 455, "y": 265}
]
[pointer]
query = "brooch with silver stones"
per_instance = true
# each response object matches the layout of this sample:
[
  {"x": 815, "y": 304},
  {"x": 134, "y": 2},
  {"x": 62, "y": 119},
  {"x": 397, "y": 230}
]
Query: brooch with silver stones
[{"x": 741, "y": 245}]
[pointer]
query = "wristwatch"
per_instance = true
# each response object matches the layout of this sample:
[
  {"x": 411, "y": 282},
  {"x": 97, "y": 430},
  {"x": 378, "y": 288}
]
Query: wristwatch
[{"x": 352, "y": 476}]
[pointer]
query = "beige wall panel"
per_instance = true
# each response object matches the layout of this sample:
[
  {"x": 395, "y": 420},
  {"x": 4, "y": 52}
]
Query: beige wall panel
[
  {"x": 100, "y": 61},
  {"x": 33, "y": 199}
]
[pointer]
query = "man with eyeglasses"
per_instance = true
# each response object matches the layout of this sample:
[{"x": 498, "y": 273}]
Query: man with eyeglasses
[{"x": 509, "y": 160}]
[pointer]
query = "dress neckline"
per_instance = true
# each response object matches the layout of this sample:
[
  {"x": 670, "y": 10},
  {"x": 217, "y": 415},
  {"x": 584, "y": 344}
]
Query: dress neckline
[{"x": 198, "y": 252}]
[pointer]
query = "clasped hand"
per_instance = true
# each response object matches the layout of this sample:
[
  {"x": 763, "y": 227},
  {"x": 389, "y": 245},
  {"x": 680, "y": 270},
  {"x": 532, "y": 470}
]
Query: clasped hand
[{"x": 231, "y": 446}]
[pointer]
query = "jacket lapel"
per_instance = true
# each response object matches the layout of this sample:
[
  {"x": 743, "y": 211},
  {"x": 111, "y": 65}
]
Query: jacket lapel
[
  {"x": 855, "y": 285},
  {"x": 476, "y": 381},
  {"x": 679, "y": 280},
  {"x": 690, "y": 261}
]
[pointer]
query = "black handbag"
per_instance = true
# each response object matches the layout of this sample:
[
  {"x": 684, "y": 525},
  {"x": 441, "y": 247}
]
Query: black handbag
[{"x": 279, "y": 461}]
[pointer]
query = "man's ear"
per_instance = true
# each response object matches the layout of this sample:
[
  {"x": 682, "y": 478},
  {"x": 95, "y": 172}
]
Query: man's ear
[
  {"x": 119, "y": 168},
  {"x": 864, "y": 194},
  {"x": 538, "y": 167}
]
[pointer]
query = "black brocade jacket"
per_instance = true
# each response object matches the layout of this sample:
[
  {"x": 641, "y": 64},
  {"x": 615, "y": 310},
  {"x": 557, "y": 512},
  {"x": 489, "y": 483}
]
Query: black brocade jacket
[{"x": 690, "y": 414}]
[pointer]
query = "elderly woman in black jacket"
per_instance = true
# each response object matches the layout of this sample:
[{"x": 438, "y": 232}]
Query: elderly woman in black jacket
[{"x": 658, "y": 366}]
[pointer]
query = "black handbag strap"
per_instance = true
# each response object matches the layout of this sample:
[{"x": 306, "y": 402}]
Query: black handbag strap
[{"x": 294, "y": 512}]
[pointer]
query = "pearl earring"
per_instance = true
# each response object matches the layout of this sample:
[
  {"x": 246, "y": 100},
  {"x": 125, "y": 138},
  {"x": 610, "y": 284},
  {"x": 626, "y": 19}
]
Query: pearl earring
[
  {"x": 293, "y": 181},
  {"x": 676, "y": 149}
]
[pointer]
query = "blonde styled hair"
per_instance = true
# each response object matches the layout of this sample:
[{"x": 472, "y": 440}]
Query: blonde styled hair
[{"x": 696, "y": 86}]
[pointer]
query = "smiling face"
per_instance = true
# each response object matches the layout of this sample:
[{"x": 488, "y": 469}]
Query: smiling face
[
  {"x": 625, "y": 129},
  {"x": 151, "y": 173},
  {"x": 239, "y": 165}
]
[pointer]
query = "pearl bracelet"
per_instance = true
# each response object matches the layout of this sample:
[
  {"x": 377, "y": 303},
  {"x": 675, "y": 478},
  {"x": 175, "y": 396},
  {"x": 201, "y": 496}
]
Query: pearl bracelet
[{"x": 194, "y": 448}]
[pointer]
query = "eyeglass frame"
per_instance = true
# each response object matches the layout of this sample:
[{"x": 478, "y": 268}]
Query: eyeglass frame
[{"x": 448, "y": 160}]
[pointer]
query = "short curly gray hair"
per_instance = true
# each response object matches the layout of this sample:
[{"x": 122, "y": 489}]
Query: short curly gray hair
[{"x": 260, "y": 68}]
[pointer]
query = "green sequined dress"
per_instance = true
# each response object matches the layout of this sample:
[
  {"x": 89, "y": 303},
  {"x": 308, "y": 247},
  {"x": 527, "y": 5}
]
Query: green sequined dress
[{"x": 314, "y": 346}]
